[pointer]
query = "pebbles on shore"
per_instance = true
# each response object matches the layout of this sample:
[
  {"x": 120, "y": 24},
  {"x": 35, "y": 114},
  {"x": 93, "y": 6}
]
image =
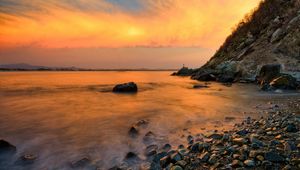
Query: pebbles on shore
[{"x": 271, "y": 142}]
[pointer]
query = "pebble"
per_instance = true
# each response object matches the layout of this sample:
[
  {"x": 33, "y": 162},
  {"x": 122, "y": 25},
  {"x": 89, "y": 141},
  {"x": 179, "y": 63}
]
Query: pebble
[
  {"x": 176, "y": 167},
  {"x": 249, "y": 163}
]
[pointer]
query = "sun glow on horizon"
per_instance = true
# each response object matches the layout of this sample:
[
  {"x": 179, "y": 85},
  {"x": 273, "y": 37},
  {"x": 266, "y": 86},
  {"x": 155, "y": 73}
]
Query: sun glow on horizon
[{"x": 180, "y": 23}]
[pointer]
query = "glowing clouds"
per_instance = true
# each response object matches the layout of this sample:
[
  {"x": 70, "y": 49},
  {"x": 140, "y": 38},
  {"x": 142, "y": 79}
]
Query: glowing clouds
[{"x": 176, "y": 23}]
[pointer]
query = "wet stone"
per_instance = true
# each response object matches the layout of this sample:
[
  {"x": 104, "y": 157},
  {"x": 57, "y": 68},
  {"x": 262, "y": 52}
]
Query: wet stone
[
  {"x": 204, "y": 157},
  {"x": 133, "y": 131},
  {"x": 130, "y": 155},
  {"x": 216, "y": 136},
  {"x": 151, "y": 150},
  {"x": 239, "y": 141},
  {"x": 291, "y": 128},
  {"x": 242, "y": 132},
  {"x": 273, "y": 156},
  {"x": 165, "y": 161},
  {"x": 80, "y": 163},
  {"x": 249, "y": 163},
  {"x": 236, "y": 163},
  {"x": 175, "y": 157},
  {"x": 176, "y": 167},
  {"x": 166, "y": 147},
  {"x": 6, "y": 147},
  {"x": 213, "y": 159},
  {"x": 181, "y": 163}
]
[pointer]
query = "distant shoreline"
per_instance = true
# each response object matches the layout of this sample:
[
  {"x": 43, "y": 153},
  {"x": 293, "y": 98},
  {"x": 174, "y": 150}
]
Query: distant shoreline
[{"x": 80, "y": 70}]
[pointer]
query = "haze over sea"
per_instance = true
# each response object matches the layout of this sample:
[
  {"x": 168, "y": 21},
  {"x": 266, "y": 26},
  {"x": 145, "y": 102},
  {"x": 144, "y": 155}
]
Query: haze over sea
[{"x": 64, "y": 116}]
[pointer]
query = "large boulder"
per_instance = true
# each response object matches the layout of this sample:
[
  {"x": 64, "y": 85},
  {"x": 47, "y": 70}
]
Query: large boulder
[
  {"x": 284, "y": 81},
  {"x": 130, "y": 87},
  {"x": 6, "y": 147},
  {"x": 205, "y": 77},
  {"x": 226, "y": 78},
  {"x": 268, "y": 73},
  {"x": 184, "y": 71}
]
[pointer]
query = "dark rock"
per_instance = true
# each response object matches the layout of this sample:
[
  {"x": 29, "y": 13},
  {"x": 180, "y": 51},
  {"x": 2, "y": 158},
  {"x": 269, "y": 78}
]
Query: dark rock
[
  {"x": 130, "y": 87},
  {"x": 213, "y": 159},
  {"x": 164, "y": 162},
  {"x": 142, "y": 123},
  {"x": 190, "y": 139},
  {"x": 200, "y": 86},
  {"x": 181, "y": 147},
  {"x": 205, "y": 77},
  {"x": 80, "y": 163},
  {"x": 273, "y": 156},
  {"x": 130, "y": 155},
  {"x": 149, "y": 137},
  {"x": 291, "y": 128},
  {"x": 181, "y": 163},
  {"x": 242, "y": 132},
  {"x": 204, "y": 157},
  {"x": 249, "y": 163},
  {"x": 239, "y": 141},
  {"x": 6, "y": 147},
  {"x": 175, "y": 157},
  {"x": 268, "y": 73},
  {"x": 176, "y": 167},
  {"x": 223, "y": 78},
  {"x": 166, "y": 147},
  {"x": 236, "y": 163},
  {"x": 115, "y": 168},
  {"x": 158, "y": 156},
  {"x": 267, "y": 165},
  {"x": 133, "y": 131},
  {"x": 195, "y": 148},
  {"x": 184, "y": 71},
  {"x": 151, "y": 150},
  {"x": 132, "y": 158},
  {"x": 289, "y": 146},
  {"x": 216, "y": 136},
  {"x": 284, "y": 82}
]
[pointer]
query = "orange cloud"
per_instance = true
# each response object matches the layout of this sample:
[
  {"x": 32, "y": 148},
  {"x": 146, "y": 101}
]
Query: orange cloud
[{"x": 181, "y": 23}]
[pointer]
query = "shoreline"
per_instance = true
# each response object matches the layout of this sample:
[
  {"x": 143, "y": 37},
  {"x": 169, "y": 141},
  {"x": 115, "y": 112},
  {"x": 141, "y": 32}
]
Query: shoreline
[{"x": 272, "y": 142}]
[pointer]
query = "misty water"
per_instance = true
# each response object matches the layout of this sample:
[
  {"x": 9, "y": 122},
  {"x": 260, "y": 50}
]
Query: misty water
[{"x": 64, "y": 116}]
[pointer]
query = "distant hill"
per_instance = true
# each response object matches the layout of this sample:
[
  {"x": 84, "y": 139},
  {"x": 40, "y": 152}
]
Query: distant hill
[
  {"x": 269, "y": 35},
  {"x": 22, "y": 66},
  {"x": 28, "y": 67}
]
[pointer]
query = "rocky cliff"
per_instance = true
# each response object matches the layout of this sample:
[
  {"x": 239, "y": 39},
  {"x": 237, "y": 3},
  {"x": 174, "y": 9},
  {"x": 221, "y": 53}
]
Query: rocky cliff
[{"x": 269, "y": 35}]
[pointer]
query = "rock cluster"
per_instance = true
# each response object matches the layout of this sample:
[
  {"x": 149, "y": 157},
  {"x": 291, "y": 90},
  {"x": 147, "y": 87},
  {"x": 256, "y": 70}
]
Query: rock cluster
[
  {"x": 272, "y": 142},
  {"x": 184, "y": 71},
  {"x": 6, "y": 147},
  {"x": 271, "y": 78},
  {"x": 271, "y": 35}
]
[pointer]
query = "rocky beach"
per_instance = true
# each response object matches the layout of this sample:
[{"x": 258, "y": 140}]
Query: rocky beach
[
  {"x": 270, "y": 142},
  {"x": 240, "y": 110}
]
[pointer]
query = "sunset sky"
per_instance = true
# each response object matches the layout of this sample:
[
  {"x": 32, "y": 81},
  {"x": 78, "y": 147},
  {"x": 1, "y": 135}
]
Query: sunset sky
[{"x": 116, "y": 33}]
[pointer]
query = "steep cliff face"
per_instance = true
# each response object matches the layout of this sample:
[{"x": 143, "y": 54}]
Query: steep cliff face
[{"x": 270, "y": 35}]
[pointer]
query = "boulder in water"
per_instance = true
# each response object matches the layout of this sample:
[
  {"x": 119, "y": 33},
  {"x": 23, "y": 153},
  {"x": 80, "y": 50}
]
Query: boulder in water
[
  {"x": 133, "y": 131},
  {"x": 205, "y": 77},
  {"x": 184, "y": 71},
  {"x": 284, "y": 82},
  {"x": 6, "y": 147},
  {"x": 268, "y": 73},
  {"x": 200, "y": 86},
  {"x": 130, "y": 87}
]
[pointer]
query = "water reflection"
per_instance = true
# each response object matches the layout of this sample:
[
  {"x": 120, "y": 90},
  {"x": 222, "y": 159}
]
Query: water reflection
[{"x": 64, "y": 116}]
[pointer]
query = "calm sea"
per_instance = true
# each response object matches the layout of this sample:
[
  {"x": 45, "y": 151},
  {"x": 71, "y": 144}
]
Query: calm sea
[{"x": 64, "y": 116}]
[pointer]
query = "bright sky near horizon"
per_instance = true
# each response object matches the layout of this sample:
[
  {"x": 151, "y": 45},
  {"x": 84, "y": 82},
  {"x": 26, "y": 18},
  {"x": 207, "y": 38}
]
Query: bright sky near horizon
[{"x": 116, "y": 33}]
